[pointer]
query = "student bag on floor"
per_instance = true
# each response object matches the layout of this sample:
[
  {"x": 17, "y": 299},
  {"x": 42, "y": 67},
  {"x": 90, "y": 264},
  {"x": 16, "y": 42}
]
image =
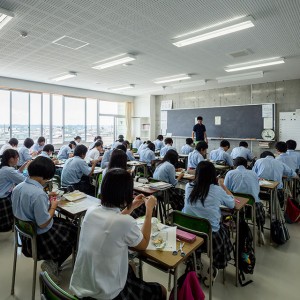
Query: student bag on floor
[{"x": 292, "y": 211}]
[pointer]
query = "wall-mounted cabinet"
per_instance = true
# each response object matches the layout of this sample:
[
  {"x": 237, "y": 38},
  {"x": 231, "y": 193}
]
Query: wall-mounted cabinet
[{"x": 141, "y": 126}]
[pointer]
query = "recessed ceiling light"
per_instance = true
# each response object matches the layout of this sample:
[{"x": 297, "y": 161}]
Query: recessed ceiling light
[
  {"x": 123, "y": 87},
  {"x": 255, "y": 64},
  {"x": 114, "y": 61},
  {"x": 5, "y": 17},
  {"x": 239, "y": 77},
  {"x": 213, "y": 32},
  {"x": 172, "y": 78},
  {"x": 64, "y": 76}
]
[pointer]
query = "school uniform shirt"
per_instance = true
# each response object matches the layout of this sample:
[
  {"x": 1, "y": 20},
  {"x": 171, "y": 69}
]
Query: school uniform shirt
[
  {"x": 272, "y": 169},
  {"x": 93, "y": 154},
  {"x": 241, "y": 152},
  {"x": 73, "y": 170},
  {"x": 211, "y": 209},
  {"x": 136, "y": 144},
  {"x": 9, "y": 177},
  {"x": 116, "y": 144},
  {"x": 142, "y": 147},
  {"x": 36, "y": 148},
  {"x": 158, "y": 144},
  {"x": 44, "y": 154},
  {"x": 187, "y": 149},
  {"x": 105, "y": 158},
  {"x": 64, "y": 152},
  {"x": 220, "y": 154},
  {"x": 101, "y": 265},
  {"x": 147, "y": 156},
  {"x": 31, "y": 203},
  {"x": 243, "y": 181},
  {"x": 289, "y": 160},
  {"x": 295, "y": 154},
  {"x": 194, "y": 158},
  {"x": 5, "y": 147},
  {"x": 129, "y": 155},
  {"x": 165, "y": 149},
  {"x": 24, "y": 155},
  {"x": 166, "y": 172}
]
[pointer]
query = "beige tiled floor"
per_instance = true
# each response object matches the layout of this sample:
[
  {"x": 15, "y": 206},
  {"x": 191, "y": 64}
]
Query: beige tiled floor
[{"x": 276, "y": 273}]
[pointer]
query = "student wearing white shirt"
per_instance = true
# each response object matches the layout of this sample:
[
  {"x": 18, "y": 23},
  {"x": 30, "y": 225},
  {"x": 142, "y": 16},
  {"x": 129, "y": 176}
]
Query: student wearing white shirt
[
  {"x": 101, "y": 269},
  {"x": 96, "y": 139},
  {"x": 12, "y": 144},
  {"x": 95, "y": 152},
  {"x": 137, "y": 143}
]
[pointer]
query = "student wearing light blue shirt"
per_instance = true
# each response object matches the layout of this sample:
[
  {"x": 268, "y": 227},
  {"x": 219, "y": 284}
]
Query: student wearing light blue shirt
[
  {"x": 128, "y": 151},
  {"x": 203, "y": 198},
  {"x": 188, "y": 147},
  {"x": 289, "y": 160},
  {"x": 199, "y": 154},
  {"x": 291, "y": 147},
  {"x": 24, "y": 155},
  {"x": 220, "y": 154},
  {"x": 168, "y": 146},
  {"x": 148, "y": 156},
  {"x": 242, "y": 151},
  {"x": 143, "y": 146},
  {"x": 38, "y": 146},
  {"x": 137, "y": 143},
  {"x": 66, "y": 151},
  {"x": 159, "y": 142},
  {"x": 48, "y": 152},
  {"x": 107, "y": 154}
]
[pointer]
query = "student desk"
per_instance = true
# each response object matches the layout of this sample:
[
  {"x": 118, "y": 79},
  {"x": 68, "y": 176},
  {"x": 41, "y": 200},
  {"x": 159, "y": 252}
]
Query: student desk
[
  {"x": 166, "y": 261},
  {"x": 138, "y": 164},
  {"x": 189, "y": 177},
  {"x": 222, "y": 169}
]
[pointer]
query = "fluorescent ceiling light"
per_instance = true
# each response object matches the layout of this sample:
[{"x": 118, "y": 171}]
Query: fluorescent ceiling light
[
  {"x": 172, "y": 78},
  {"x": 189, "y": 84},
  {"x": 64, "y": 76},
  {"x": 255, "y": 64},
  {"x": 114, "y": 61},
  {"x": 123, "y": 87},
  {"x": 238, "y": 77},
  {"x": 219, "y": 30},
  {"x": 5, "y": 17}
]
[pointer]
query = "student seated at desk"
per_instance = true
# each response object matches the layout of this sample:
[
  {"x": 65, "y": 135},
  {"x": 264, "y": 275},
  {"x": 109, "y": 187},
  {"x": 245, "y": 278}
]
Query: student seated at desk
[
  {"x": 148, "y": 156},
  {"x": 168, "y": 146},
  {"x": 95, "y": 152},
  {"x": 76, "y": 172},
  {"x": 48, "y": 152},
  {"x": 188, "y": 147},
  {"x": 24, "y": 155},
  {"x": 143, "y": 146},
  {"x": 9, "y": 177},
  {"x": 291, "y": 147},
  {"x": 246, "y": 181},
  {"x": 12, "y": 144},
  {"x": 37, "y": 148},
  {"x": 118, "y": 142},
  {"x": 220, "y": 154},
  {"x": 203, "y": 198},
  {"x": 159, "y": 142},
  {"x": 137, "y": 143},
  {"x": 289, "y": 160},
  {"x": 242, "y": 151},
  {"x": 128, "y": 151},
  {"x": 97, "y": 138},
  {"x": 66, "y": 151},
  {"x": 101, "y": 269},
  {"x": 199, "y": 154},
  {"x": 55, "y": 236},
  {"x": 107, "y": 154},
  {"x": 77, "y": 140}
]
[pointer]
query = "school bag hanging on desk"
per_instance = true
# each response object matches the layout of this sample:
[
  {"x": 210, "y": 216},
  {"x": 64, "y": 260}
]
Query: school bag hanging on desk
[{"x": 292, "y": 211}]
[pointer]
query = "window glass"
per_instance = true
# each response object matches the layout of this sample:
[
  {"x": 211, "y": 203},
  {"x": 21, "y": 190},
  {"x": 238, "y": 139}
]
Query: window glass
[
  {"x": 91, "y": 119},
  {"x": 57, "y": 119},
  {"x": 4, "y": 116},
  {"x": 106, "y": 124},
  {"x": 35, "y": 115},
  {"x": 46, "y": 117}
]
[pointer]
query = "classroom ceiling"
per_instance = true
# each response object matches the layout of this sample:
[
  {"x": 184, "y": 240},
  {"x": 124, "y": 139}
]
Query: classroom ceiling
[{"x": 145, "y": 28}]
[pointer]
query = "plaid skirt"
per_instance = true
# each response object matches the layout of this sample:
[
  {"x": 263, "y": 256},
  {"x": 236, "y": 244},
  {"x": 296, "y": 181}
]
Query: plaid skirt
[
  {"x": 6, "y": 214},
  {"x": 56, "y": 244},
  {"x": 260, "y": 214},
  {"x": 222, "y": 247}
]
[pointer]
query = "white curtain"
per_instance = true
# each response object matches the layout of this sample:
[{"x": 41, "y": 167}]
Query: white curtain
[{"x": 128, "y": 120}]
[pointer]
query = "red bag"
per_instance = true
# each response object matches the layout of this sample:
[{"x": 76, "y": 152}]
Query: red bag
[{"x": 292, "y": 211}]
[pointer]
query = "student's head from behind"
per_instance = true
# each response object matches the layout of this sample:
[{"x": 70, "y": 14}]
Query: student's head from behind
[
  {"x": 117, "y": 188},
  {"x": 9, "y": 158},
  {"x": 72, "y": 145},
  {"x": 77, "y": 139},
  {"x": 243, "y": 144},
  {"x": 199, "y": 120},
  {"x": 80, "y": 151},
  {"x": 168, "y": 141},
  {"x": 97, "y": 138},
  {"x": 189, "y": 141},
  {"x": 118, "y": 159},
  {"x": 151, "y": 146},
  {"x": 122, "y": 147},
  {"x": 126, "y": 144},
  {"x": 266, "y": 153},
  {"x": 41, "y": 141},
  {"x": 43, "y": 168},
  {"x": 171, "y": 156},
  {"x": 98, "y": 145},
  {"x": 138, "y": 138},
  {"x": 202, "y": 148},
  {"x": 28, "y": 143},
  {"x": 281, "y": 147},
  {"x": 204, "y": 177},
  {"x": 225, "y": 145},
  {"x": 240, "y": 161},
  {"x": 291, "y": 144},
  {"x": 13, "y": 142},
  {"x": 160, "y": 137},
  {"x": 48, "y": 149}
]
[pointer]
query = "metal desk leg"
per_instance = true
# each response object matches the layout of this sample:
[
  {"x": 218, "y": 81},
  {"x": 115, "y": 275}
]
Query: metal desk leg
[
  {"x": 175, "y": 283},
  {"x": 237, "y": 248},
  {"x": 140, "y": 269},
  {"x": 271, "y": 211}
]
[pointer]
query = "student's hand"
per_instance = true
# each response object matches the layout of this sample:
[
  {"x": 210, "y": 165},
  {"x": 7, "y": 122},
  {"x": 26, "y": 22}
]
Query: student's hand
[
  {"x": 94, "y": 162},
  {"x": 221, "y": 181},
  {"x": 52, "y": 194},
  {"x": 180, "y": 170},
  {"x": 54, "y": 203},
  {"x": 138, "y": 201},
  {"x": 99, "y": 159},
  {"x": 150, "y": 203}
]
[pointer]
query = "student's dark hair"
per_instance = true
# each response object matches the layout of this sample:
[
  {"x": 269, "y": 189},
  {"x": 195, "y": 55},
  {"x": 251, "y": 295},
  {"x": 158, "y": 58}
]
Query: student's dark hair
[
  {"x": 243, "y": 144},
  {"x": 121, "y": 136},
  {"x": 266, "y": 153},
  {"x": 291, "y": 144},
  {"x": 98, "y": 137},
  {"x": 225, "y": 143},
  {"x": 118, "y": 159},
  {"x": 126, "y": 143},
  {"x": 77, "y": 137},
  {"x": 151, "y": 146},
  {"x": 41, "y": 139},
  {"x": 48, "y": 148},
  {"x": 148, "y": 142},
  {"x": 281, "y": 147},
  {"x": 117, "y": 197},
  {"x": 13, "y": 142},
  {"x": 97, "y": 144},
  {"x": 205, "y": 176},
  {"x": 28, "y": 143},
  {"x": 72, "y": 143},
  {"x": 189, "y": 141},
  {"x": 42, "y": 167},
  {"x": 138, "y": 138},
  {"x": 121, "y": 140},
  {"x": 168, "y": 140},
  {"x": 171, "y": 156},
  {"x": 122, "y": 147},
  {"x": 199, "y": 118},
  {"x": 80, "y": 150},
  {"x": 160, "y": 137},
  {"x": 201, "y": 146},
  {"x": 7, "y": 155},
  {"x": 240, "y": 161}
]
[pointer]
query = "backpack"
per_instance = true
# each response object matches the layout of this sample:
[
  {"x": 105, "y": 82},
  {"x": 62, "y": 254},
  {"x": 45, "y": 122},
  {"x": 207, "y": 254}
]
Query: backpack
[
  {"x": 176, "y": 198},
  {"x": 292, "y": 211}
]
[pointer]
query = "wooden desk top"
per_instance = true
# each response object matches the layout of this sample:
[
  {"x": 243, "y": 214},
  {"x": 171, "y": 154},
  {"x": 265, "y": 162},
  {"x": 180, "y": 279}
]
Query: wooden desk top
[
  {"x": 221, "y": 167},
  {"x": 190, "y": 177},
  {"x": 135, "y": 163},
  {"x": 143, "y": 188},
  {"x": 242, "y": 202},
  {"x": 273, "y": 185},
  {"x": 167, "y": 259}
]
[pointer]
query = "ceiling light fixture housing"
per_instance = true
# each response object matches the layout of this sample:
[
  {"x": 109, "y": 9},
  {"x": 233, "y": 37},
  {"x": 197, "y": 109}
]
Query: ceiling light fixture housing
[
  {"x": 214, "y": 31},
  {"x": 114, "y": 61},
  {"x": 123, "y": 87},
  {"x": 239, "y": 77},
  {"x": 173, "y": 78},
  {"x": 64, "y": 76},
  {"x": 5, "y": 17}
]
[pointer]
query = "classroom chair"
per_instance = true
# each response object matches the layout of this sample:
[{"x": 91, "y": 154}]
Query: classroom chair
[
  {"x": 26, "y": 229},
  {"x": 51, "y": 291}
]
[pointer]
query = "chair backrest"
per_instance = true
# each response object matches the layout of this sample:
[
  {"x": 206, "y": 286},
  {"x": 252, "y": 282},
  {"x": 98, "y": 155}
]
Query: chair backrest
[
  {"x": 51, "y": 291},
  {"x": 25, "y": 228}
]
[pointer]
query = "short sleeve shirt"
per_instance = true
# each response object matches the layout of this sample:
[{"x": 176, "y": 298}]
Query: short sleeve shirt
[{"x": 199, "y": 129}]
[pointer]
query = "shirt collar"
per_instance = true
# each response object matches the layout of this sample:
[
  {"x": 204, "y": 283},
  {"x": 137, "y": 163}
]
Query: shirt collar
[
  {"x": 34, "y": 182},
  {"x": 241, "y": 168},
  {"x": 269, "y": 157},
  {"x": 114, "y": 209}
]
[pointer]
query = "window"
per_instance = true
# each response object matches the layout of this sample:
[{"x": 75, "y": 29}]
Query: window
[
  {"x": 91, "y": 119},
  {"x": 107, "y": 125},
  {"x": 46, "y": 118},
  {"x": 120, "y": 126},
  {"x": 35, "y": 115},
  {"x": 4, "y": 116},
  {"x": 57, "y": 119},
  {"x": 112, "y": 108}
]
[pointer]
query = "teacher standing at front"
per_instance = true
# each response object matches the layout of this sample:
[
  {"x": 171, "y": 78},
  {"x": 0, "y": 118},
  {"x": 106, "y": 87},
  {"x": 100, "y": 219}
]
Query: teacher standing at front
[{"x": 200, "y": 131}]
